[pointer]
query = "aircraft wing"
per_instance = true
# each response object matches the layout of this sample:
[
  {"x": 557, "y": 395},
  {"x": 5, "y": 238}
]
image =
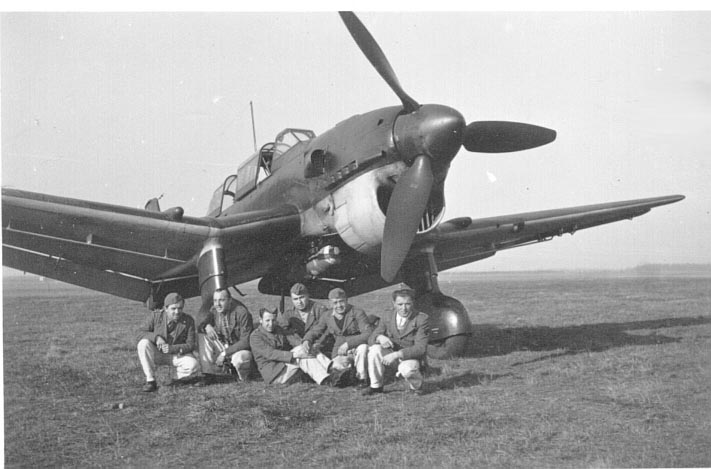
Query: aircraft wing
[
  {"x": 464, "y": 240},
  {"x": 131, "y": 252}
]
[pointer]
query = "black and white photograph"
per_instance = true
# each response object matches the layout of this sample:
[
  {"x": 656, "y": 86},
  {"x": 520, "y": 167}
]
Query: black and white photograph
[{"x": 356, "y": 238}]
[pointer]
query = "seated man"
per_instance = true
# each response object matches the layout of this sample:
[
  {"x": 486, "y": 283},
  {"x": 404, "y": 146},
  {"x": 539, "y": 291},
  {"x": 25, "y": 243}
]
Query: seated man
[
  {"x": 223, "y": 337},
  {"x": 303, "y": 316},
  {"x": 350, "y": 329},
  {"x": 400, "y": 339},
  {"x": 280, "y": 358},
  {"x": 167, "y": 337}
]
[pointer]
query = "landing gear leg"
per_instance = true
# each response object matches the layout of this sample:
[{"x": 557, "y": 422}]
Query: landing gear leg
[
  {"x": 449, "y": 320},
  {"x": 211, "y": 272}
]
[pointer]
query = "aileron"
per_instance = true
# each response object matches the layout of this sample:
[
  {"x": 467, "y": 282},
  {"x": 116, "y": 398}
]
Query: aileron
[
  {"x": 458, "y": 240},
  {"x": 82, "y": 275}
]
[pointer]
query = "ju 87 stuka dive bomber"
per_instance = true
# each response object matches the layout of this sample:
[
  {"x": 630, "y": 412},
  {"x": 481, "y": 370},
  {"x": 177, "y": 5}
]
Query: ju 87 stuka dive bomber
[{"x": 359, "y": 206}]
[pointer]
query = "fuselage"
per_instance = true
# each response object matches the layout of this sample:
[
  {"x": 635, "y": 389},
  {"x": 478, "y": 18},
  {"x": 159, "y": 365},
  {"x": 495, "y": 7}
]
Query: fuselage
[
  {"x": 341, "y": 181},
  {"x": 309, "y": 170}
]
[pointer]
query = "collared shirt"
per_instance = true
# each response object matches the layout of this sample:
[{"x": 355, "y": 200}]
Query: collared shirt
[
  {"x": 304, "y": 315},
  {"x": 223, "y": 326},
  {"x": 172, "y": 327},
  {"x": 401, "y": 321},
  {"x": 339, "y": 321},
  {"x": 298, "y": 322}
]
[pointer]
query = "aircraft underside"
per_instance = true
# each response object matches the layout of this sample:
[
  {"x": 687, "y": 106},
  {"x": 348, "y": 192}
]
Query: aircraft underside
[{"x": 361, "y": 207}]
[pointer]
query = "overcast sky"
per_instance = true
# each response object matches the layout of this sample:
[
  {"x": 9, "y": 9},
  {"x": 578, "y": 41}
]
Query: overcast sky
[{"x": 120, "y": 108}]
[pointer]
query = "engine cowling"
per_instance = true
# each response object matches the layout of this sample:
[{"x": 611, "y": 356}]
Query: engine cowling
[{"x": 356, "y": 210}]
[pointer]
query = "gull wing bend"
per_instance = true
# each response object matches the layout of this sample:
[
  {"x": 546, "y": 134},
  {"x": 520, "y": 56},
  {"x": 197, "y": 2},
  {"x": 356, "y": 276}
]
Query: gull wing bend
[{"x": 133, "y": 253}]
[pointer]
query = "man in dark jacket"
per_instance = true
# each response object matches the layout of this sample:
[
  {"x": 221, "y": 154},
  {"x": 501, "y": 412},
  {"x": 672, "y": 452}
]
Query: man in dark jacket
[
  {"x": 167, "y": 337},
  {"x": 281, "y": 358},
  {"x": 303, "y": 316},
  {"x": 223, "y": 336},
  {"x": 350, "y": 329},
  {"x": 399, "y": 340}
]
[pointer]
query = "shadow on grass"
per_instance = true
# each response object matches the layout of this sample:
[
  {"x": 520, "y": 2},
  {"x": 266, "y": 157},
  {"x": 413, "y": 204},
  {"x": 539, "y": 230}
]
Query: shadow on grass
[
  {"x": 465, "y": 379},
  {"x": 489, "y": 340}
]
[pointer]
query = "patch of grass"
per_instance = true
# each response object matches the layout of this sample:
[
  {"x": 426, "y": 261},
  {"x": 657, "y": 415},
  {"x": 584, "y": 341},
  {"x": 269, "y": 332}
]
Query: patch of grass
[{"x": 560, "y": 373}]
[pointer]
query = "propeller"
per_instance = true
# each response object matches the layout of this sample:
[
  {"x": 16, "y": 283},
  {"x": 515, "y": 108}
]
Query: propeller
[
  {"x": 503, "y": 136},
  {"x": 407, "y": 204},
  {"x": 425, "y": 135},
  {"x": 375, "y": 55}
]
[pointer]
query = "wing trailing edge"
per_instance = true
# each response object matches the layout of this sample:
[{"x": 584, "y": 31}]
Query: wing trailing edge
[
  {"x": 464, "y": 240},
  {"x": 134, "y": 253},
  {"x": 70, "y": 272}
]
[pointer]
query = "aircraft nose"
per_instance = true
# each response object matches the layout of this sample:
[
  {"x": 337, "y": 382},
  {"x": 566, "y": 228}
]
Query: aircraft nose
[{"x": 433, "y": 130}]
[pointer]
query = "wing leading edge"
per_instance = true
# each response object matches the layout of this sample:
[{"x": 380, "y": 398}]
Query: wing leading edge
[
  {"x": 464, "y": 240},
  {"x": 130, "y": 252}
]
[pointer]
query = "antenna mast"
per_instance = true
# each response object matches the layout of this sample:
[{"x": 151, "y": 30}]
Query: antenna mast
[{"x": 254, "y": 132}]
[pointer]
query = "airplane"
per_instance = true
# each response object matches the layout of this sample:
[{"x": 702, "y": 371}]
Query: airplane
[{"x": 360, "y": 206}]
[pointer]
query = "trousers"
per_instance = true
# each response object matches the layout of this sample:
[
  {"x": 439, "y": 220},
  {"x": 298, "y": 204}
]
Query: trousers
[
  {"x": 316, "y": 368},
  {"x": 150, "y": 358},
  {"x": 408, "y": 369},
  {"x": 355, "y": 357},
  {"x": 209, "y": 351}
]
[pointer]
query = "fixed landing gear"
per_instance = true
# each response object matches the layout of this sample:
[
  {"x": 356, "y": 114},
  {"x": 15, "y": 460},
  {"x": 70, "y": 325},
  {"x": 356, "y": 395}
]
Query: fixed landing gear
[
  {"x": 211, "y": 271},
  {"x": 449, "y": 320},
  {"x": 449, "y": 324}
]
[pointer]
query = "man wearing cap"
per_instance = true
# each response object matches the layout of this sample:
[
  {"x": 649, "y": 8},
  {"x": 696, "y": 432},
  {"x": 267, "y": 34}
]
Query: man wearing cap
[
  {"x": 303, "y": 315},
  {"x": 350, "y": 329},
  {"x": 399, "y": 341},
  {"x": 281, "y": 359},
  {"x": 167, "y": 337},
  {"x": 223, "y": 337}
]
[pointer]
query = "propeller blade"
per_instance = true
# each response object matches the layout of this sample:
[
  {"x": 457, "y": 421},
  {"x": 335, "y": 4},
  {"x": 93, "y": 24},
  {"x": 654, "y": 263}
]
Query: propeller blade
[
  {"x": 503, "y": 136},
  {"x": 407, "y": 204},
  {"x": 375, "y": 55}
]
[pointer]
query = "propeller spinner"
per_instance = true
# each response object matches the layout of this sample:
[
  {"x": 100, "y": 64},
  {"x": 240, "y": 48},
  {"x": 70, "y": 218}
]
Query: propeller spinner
[{"x": 427, "y": 136}]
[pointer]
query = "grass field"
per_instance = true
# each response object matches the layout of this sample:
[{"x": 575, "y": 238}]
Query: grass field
[{"x": 561, "y": 371}]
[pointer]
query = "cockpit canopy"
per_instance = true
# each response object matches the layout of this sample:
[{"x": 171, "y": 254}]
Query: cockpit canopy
[{"x": 256, "y": 168}]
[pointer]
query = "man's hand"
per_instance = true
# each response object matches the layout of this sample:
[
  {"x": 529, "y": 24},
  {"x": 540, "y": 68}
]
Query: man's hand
[
  {"x": 341, "y": 362},
  {"x": 162, "y": 345},
  {"x": 384, "y": 341},
  {"x": 343, "y": 349},
  {"x": 220, "y": 359},
  {"x": 211, "y": 333},
  {"x": 391, "y": 358},
  {"x": 299, "y": 352},
  {"x": 305, "y": 345}
]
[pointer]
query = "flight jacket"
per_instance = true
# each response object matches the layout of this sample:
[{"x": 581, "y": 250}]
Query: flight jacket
[
  {"x": 272, "y": 351},
  {"x": 242, "y": 326},
  {"x": 413, "y": 338},
  {"x": 356, "y": 329},
  {"x": 183, "y": 339}
]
